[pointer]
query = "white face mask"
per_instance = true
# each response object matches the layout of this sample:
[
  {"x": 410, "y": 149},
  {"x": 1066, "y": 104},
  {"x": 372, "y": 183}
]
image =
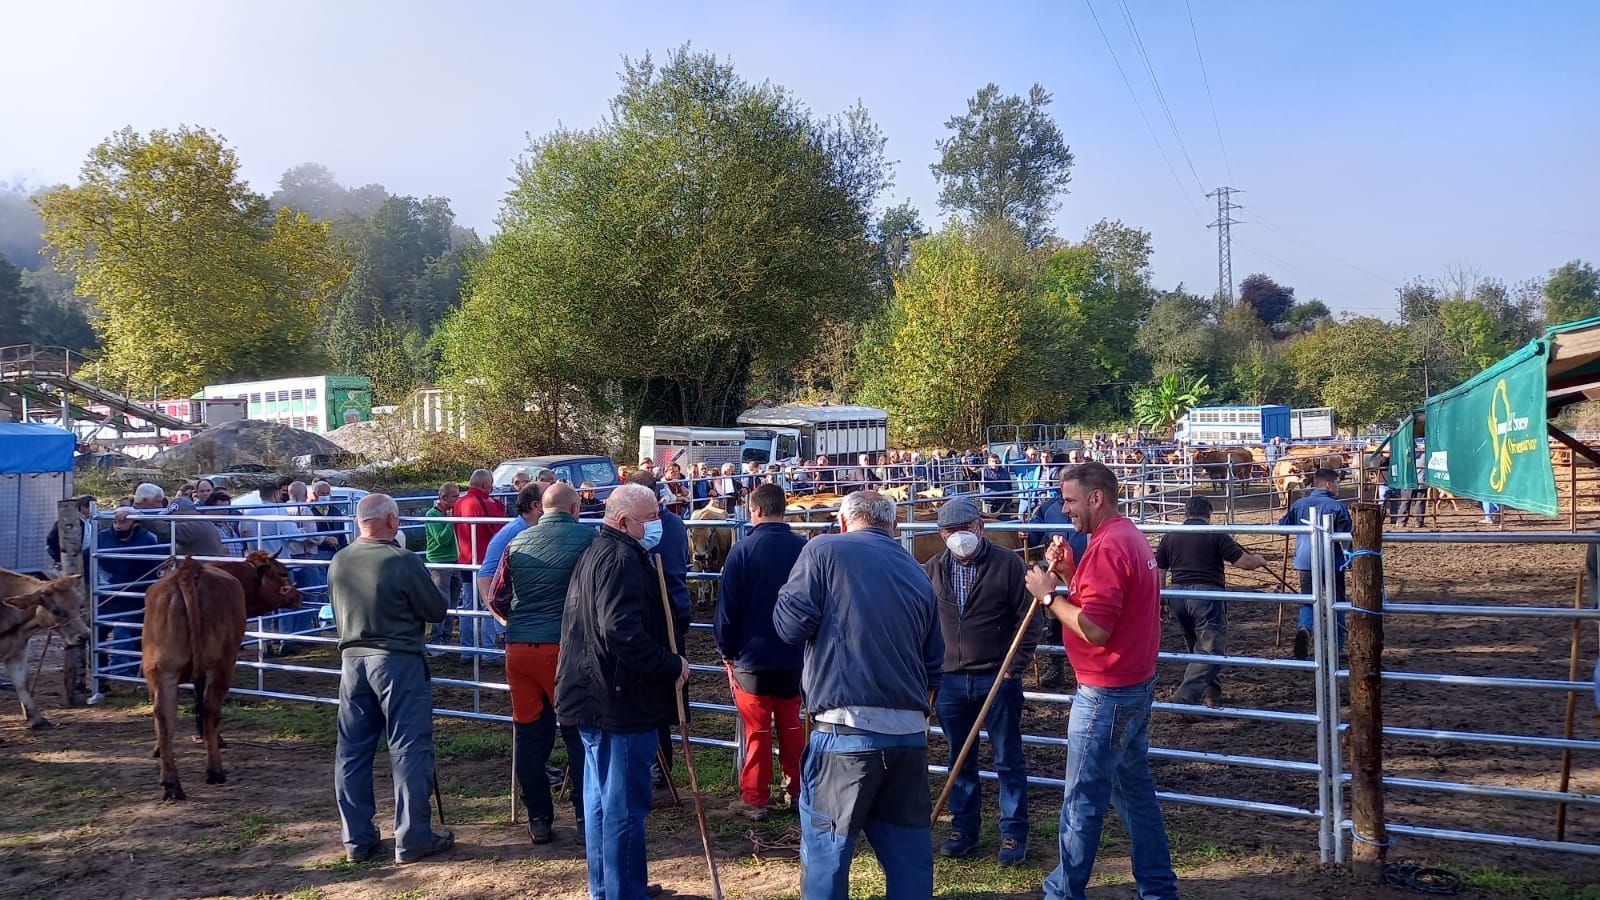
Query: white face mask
[{"x": 963, "y": 543}]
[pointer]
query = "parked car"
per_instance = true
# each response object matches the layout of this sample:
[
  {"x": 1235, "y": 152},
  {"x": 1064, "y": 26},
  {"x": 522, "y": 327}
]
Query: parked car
[{"x": 572, "y": 468}]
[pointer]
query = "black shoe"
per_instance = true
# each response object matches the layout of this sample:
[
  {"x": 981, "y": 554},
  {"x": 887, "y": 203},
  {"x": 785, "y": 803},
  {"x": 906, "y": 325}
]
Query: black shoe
[
  {"x": 582, "y": 832},
  {"x": 442, "y": 841},
  {"x": 360, "y": 854},
  {"x": 1302, "y": 644},
  {"x": 539, "y": 831}
]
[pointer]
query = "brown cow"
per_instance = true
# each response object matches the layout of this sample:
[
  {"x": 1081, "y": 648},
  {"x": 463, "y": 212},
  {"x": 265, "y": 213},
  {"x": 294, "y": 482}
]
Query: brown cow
[
  {"x": 1293, "y": 472},
  {"x": 1215, "y": 464},
  {"x": 708, "y": 547},
  {"x": 268, "y": 586},
  {"x": 28, "y": 604},
  {"x": 193, "y": 624}
]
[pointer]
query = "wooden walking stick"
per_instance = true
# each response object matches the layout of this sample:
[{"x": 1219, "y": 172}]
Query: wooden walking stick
[
  {"x": 39, "y": 664},
  {"x": 983, "y": 712},
  {"x": 1277, "y": 639},
  {"x": 688, "y": 754}
]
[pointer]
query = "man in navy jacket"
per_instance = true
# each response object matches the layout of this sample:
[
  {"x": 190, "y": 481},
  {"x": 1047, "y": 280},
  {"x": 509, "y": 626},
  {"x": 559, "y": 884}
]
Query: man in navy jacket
[
  {"x": 873, "y": 655},
  {"x": 763, "y": 668}
]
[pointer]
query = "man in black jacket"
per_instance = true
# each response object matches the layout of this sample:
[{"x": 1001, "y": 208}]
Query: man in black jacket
[
  {"x": 982, "y": 602},
  {"x": 615, "y": 681}
]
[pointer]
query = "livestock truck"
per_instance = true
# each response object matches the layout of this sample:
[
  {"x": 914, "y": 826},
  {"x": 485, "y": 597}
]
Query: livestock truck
[
  {"x": 686, "y": 445},
  {"x": 795, "y": 431}
]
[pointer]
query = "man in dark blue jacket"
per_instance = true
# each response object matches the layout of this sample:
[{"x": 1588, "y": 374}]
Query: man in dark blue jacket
[
  {"x": 873, "y": 656},
  {"x": 1324, "y": 501},
  {"x": 673, "y": 552},
  {"x": 120, "y": 615},
  {"x": 764, "y": 669}
]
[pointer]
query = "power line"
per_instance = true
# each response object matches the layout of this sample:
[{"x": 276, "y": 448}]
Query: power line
[
  {"x": 1390, "y": 282},
  {"x": 1209, "y": 99},
  {"x": 1155, "y": 84},
  {"x": 1136, "y": 105}
]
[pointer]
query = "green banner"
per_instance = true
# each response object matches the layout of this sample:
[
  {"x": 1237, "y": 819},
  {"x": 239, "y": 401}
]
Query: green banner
[
  {"x": 1402, "y": 456},
  {"x": 1487, "y": 438}
]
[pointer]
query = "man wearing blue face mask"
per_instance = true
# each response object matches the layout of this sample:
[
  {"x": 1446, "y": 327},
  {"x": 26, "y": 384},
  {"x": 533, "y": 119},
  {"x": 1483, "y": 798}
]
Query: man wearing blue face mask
[
  {"x": 672, "y": 550},
  {"x": 982, "y": 602},
  {"x": 615, "y": 681}
]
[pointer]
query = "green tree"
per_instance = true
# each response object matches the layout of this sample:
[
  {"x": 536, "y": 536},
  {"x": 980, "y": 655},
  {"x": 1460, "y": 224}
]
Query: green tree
[
  {"x": 1303, "y": 316},
  {"x": 21, "y": 232},
  {"x": 57, "y": 316},
  {"x": 936, "y": 360},
  {"x": 1159, "y": 406},
  {"x": 195, "y": 279},
  {"x": 1571, "y": 293},
  {"x": 1004, "y": 160},
  {"x": 1179, "y": 337},
  {"x": 1362, "y": 367},
  {"x": 897, "y": 229},
  {"x": 707, "y": 229},
  {"x": 15, "y": 302},
  {"x": 1270, "y": 300}
]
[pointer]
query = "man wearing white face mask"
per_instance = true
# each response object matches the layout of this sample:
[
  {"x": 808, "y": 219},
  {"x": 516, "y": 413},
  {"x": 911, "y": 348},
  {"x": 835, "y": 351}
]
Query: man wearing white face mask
[{"x": 982, "y": 602}]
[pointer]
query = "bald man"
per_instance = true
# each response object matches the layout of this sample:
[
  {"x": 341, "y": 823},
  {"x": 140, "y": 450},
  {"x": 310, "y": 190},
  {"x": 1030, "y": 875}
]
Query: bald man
[
  {"x": 539, "y": 564},
  {"x": 383, "y": 601}
]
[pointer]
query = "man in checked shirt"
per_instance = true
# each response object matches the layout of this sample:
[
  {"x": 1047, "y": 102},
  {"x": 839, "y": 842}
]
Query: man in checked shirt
[{"x": 982, "y": 602}]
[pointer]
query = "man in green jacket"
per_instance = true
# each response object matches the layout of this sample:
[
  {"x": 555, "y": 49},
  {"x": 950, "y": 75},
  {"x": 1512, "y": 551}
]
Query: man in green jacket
[
  {"x": 540, "y": 563},
  {"x": 442, "y": 551}
]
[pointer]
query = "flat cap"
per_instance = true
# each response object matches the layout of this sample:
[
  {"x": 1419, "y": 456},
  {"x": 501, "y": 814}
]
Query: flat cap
[{"x": 958, "y": 512}]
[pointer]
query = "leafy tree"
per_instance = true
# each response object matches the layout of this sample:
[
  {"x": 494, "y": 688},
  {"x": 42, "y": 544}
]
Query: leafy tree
[
  {"x": 15, "y": 302},
  {"x": 195, "y": 279},
  {"x": 1004, "y": 160},
  {"x": 897, "y": 228},
  {"x": 56, "y": 316},
  {"x": 20, "y": 229},
  {"x": 1159, "y": 406},
  {"x": 1304, "y": 315},
  {"x": 1571, "y": 293},
  {"x": 1260, "y": 375},
  {"x": 1363, "y": 367},
  {"x": 1270, "y": 300},
  {"x": 936, "y": 360},
  {"x": 1178, "y": 337},
  {"x": 312, "y": 189},
  {"x": 707, "y": 228}
]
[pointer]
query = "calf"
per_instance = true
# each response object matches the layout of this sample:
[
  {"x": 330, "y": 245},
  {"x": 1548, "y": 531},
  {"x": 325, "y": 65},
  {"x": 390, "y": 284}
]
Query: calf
[
  {"x": 268, "y": 586},
  {"x": 708, "y": 548},
  {"x": 193, "y": 624},
  {"x": 28, "y": 604}
]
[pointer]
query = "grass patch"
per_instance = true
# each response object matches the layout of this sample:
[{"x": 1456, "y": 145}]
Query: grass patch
[
  {"x": 243, "y": 832},
  {"x": 278, "y": 720},
  {"x": 307, "y": 893},
  {"x": 1520, "y": 886},
  {"x": 462, "y": 744},
  {"x": 409, "y": 895}
]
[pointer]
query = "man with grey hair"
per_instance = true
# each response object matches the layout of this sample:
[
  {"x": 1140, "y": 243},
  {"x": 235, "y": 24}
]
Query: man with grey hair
[
  {"x": 383, "y": 601},
  {"x": 869, "y": 620},
  {"x": 615, "y": 680},
  {"x": 194, "y": 538}
]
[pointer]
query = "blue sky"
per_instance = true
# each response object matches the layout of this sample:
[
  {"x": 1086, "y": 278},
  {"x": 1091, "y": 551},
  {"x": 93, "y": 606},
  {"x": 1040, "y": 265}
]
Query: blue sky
[{"x": 1374, "y": 141}]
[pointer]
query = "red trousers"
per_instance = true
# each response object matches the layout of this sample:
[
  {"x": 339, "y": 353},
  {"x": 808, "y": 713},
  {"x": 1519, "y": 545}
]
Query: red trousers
[{"x": 757, "y": 712}]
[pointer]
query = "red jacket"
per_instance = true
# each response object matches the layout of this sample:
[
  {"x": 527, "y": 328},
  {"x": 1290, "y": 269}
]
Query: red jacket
[{"x": 475, "y": 503}]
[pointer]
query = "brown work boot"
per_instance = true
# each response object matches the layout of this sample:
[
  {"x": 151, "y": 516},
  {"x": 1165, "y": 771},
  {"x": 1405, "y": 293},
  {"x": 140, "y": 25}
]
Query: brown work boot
[{"x": 749, "y": 811}]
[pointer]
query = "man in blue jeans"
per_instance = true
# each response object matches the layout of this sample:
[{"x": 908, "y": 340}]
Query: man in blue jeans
[
  {"x": 383, "y": 601},
  {"x": 615, "y": 680},
  {"x": 873, "y": 655},
  {"x": 1111, "y": 626},
  {"x": 1324, "y": 501},
  {"x": 982, "y": 603}
]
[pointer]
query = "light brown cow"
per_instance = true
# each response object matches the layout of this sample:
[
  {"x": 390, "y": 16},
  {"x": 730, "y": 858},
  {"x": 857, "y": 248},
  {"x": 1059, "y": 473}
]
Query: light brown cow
[
  {"x": 193, "y": 624},
  {"x": 1293, "y": 472},
  {"x": 28, "y": 604},
  {"x": 708, "y": 548}
]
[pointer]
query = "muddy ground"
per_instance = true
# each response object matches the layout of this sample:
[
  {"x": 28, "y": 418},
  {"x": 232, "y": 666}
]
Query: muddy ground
[{"x": 81, "y": 814}]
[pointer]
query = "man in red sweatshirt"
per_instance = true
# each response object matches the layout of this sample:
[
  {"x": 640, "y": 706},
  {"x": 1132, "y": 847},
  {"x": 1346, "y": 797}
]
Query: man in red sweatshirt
[
  {"x": 472, "y": 540},
  {"x": 1111, "y": 628}
]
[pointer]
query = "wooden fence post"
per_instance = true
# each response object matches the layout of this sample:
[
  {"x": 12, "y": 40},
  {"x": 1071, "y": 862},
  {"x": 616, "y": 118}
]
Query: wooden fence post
[
  {"x": 74, "y": 659},
  {"x": 1366, "y": 694}
]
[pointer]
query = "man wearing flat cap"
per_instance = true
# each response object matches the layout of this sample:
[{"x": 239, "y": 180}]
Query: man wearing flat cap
[{"x": 982, "y": 603}]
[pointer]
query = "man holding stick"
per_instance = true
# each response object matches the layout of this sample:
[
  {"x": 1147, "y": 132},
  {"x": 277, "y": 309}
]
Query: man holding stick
[
  {"x": 615, "y": 681},
  {"x": 1111, "y": 624},
  {"x": 982, "y": 603},
  {"x": 873, "y": 655}
]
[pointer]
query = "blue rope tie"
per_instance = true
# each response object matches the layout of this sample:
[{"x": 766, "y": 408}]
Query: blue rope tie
[
  {"x": 1369, "y": 841},
  {"x": 1353, "y": 554}
]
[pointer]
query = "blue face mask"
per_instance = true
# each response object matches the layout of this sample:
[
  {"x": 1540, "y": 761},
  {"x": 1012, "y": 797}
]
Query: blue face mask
[{"x": 652, "y": 534}]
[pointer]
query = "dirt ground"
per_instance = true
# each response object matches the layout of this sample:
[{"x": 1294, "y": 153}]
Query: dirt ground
[{"x": 80, "y": 815}]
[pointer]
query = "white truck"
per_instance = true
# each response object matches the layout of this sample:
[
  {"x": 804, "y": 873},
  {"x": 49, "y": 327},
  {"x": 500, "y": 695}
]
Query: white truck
[
  {"x": 796, "y": 431},
  {"x": 686, "y": 445}
]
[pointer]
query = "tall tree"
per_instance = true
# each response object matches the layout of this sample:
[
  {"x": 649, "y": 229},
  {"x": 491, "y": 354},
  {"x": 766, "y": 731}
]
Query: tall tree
[
  {"x": 57, "y": 316},
  {"x": 195, "y": 278},
  {"x": 1270, "y": 300},
  {"x": 21, "y": 232},
  {"x": 1303, "y": 316},
  {"x": 1571, "y": 293},
  {"x": 897, "y": 228},
  {"x": 1362, "y": 367},
  {"x": 1178, "y": 337},
  {"x": 312, "y": 189},
  {"x": 1005, "y": 160},
  {"x": 14, "y": 305},
  {"x": 708, "y": 227}
]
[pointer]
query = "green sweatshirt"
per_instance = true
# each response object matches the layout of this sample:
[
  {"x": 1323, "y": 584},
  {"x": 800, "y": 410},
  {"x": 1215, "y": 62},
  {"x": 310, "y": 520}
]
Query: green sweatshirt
[
  {"x": 382, "y": 599},
  {"x": 441, "y": 537}
]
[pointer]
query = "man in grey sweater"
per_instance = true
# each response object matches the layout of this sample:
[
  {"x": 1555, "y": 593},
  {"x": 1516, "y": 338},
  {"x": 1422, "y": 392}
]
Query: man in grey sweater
[{"x": 383, "y": 601}]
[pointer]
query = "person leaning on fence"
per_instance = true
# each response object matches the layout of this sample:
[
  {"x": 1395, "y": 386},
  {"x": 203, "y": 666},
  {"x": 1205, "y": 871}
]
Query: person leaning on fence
[
  {"x": 528, "y": 506},
  {"x": 1193, "y": 561},
  {"x": 982, "y": 602},
  {"x": 1111, "y": 621},
  {"x": 1322, "y": 500},
  {"x": 539, "y": 565},
  {"x": 763, "y": 669},
  {"x": 615, "y": 682},
  {"x": 873, "y": 658},
  {"x": 383, "y": 601},
  {"x": 994, "y": 480},
  {"x": 119, "y": 615},
  {"x": 441, "y": 550}
]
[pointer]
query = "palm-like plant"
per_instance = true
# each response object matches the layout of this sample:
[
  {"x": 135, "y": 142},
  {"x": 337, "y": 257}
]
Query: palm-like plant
[{"x": 1159, "y": 406}]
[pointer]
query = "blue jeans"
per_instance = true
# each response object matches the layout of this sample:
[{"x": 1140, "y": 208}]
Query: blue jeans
[
  {"x": 385, "y": 695},
  {"x": 960, "y": 697},
  {"x": 616, "y": 800},
  {"x": 313, "y": 584},
  {"x": 1308, "y": 613},
  {"x": 1108, "y": 741},
  {"x": 877, "y": 783}
]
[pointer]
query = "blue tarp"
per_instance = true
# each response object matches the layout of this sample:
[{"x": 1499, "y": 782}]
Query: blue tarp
[{"x": 35, "y": 448}]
